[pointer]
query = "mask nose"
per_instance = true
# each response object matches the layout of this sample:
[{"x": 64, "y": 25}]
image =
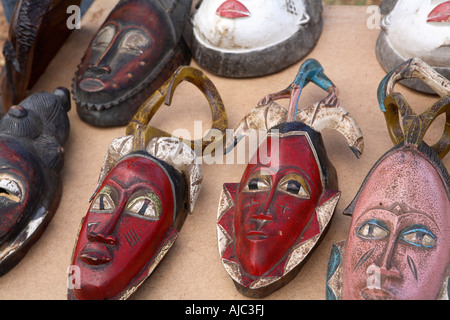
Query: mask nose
[
  {"x": 103, "y": 232},
  {"x": 100, "y": 69}
]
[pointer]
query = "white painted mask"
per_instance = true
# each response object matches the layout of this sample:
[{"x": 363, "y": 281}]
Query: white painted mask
[
  {"x": 239, "y": 26},
  {"x": 412, "y": 32}
]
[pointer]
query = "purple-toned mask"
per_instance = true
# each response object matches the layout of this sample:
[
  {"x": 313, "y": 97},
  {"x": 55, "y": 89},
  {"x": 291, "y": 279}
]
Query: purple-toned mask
[{"x": 398, "y": 245}]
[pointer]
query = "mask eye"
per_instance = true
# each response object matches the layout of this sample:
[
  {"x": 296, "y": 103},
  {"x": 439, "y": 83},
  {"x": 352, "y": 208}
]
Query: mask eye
[
  {"x": 10, "y": 189},
  {"x": 259, "y": 182},
  {"x": 419, "y": 235},
  {"x": 373, "y": 230},
  {"x": 105, "y": 36},
  {"x": 294, "y": 184},
  {"x": 144, "y": 204},
  {"x": 105, "y": 201},
  {"x": 135, "y": 42}
]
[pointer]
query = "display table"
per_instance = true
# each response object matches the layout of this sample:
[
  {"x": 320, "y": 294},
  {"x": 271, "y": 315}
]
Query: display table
[{"x": 193, "y": 269}]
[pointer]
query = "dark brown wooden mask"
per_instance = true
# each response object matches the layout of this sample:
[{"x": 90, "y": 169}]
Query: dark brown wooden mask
[
  {"x": 31, "y": 157},
  {"x": 135, "y": 51}
]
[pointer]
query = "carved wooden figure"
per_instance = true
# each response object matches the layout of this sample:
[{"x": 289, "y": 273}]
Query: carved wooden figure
[
  {"x": 37, "y": 31},
  {"x": 398, "y": 245},
  {"x": 32, "y": 134},
  {"x": 415, "y": 28},
  {"x": 134, "y": 52},
  {"x": 148, "y": 184},
  {"x": 270, "y": 222},
  {"x": 246, "y": 38}
]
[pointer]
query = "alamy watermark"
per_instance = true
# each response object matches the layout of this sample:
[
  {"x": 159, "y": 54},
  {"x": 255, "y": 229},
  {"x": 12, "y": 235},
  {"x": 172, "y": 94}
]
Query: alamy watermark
[
  {"x": 373, "y": 22},
  {"x": 249, "y": 148},
  {"x": 74, "y": 20}
]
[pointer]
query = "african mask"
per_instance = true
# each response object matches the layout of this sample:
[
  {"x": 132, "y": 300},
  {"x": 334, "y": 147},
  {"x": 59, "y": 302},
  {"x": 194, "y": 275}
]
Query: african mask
[
  {"x": 31, "y": 157},
  {"x": 37, "y": 31},
  {"x": 134, "y": 52},
  {"x": 398, "y": 245},
  {"x": 270, "y": 222},
  {"x": 148, "y": 184},
  {"x": 248, "y": 38},
  {"x": 413, "y": 29}
]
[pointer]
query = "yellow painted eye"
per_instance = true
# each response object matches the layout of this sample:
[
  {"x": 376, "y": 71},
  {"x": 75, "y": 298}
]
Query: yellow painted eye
[
  {"x": 259, "y": 182},
  {"x": 104, "y": 201},
  {"x": 294, "y": 184},
  {"x": 144, "y": 204}
]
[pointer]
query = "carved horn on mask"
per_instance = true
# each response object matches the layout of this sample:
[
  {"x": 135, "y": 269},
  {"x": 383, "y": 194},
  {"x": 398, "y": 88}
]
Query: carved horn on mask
[{"x": 326, "y": 114}]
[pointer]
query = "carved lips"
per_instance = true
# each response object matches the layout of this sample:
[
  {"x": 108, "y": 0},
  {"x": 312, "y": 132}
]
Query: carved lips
[
  {"x": 441, "y": 13},
  {"x": 233, "y": 9}
]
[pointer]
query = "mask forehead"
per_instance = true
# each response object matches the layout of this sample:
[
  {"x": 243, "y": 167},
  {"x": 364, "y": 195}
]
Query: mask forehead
[{"x": 412, "y": 179}]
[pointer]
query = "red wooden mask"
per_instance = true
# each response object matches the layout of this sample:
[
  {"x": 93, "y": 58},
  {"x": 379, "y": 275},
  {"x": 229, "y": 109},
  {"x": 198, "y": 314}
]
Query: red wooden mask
[
  {"x": 398, "y": 245},
  {"x": 270, "y": 221},
  {"x": 147, "y": 185},
  {"x": 134, "y": 52}
]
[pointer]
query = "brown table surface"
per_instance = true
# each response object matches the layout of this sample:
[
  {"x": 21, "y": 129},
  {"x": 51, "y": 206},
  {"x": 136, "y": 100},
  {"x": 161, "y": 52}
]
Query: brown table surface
[{"x": 192, "y": 269}]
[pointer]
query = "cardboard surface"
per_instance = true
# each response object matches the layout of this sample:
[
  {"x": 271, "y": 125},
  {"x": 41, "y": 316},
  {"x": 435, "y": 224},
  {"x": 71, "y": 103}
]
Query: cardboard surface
[{"x": 192, "y": 269}]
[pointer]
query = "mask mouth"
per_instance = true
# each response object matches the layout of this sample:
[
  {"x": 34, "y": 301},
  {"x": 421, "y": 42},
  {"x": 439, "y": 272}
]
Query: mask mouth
[
  {"x": 440, "y": 14},
  {"x": 256, "y": 235},
  {"x": 92, "y": 85},
  {"x": 95, "y": 254},
  {"x": 233, "y": 9},
  {"x": 375, "y": 294}
]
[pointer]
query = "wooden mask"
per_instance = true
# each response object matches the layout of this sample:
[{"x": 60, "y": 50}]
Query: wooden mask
[
  {"x": 134, "y": 52},
  {"x": 31, "y": 156},
  {"x": 148, "y": 184},
  {"x": 398, "y": 245},
  {"x": 270, "y": 222}
]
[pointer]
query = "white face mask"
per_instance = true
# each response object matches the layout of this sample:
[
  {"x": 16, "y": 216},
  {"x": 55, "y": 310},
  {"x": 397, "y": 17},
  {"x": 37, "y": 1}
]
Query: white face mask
[
  {"x": 264, "y": 23},
  {"x": 412, "y": 36}
]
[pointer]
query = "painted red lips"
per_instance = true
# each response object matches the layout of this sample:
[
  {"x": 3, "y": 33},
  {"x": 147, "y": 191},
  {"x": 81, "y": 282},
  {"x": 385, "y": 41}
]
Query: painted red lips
[
  {"x": 441, "y": 13},
  {"x": 232, "y": 9},
  {"x": 95, "y": 254}
]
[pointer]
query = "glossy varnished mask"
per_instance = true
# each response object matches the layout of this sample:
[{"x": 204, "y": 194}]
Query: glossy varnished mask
[
  {"x": 275, "y": 202},
  {"x": 398, "y": 243},
  {"x": 237, "y": 25},
  {"x": 130, "y": 217},
  {"x": 272, "y": 219},
  {"x": 250, "y": 38},
  {"x": 119, "y": 55},
  {"x": 134, "y": 52},
  {"x": 21, "y": 180}
]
